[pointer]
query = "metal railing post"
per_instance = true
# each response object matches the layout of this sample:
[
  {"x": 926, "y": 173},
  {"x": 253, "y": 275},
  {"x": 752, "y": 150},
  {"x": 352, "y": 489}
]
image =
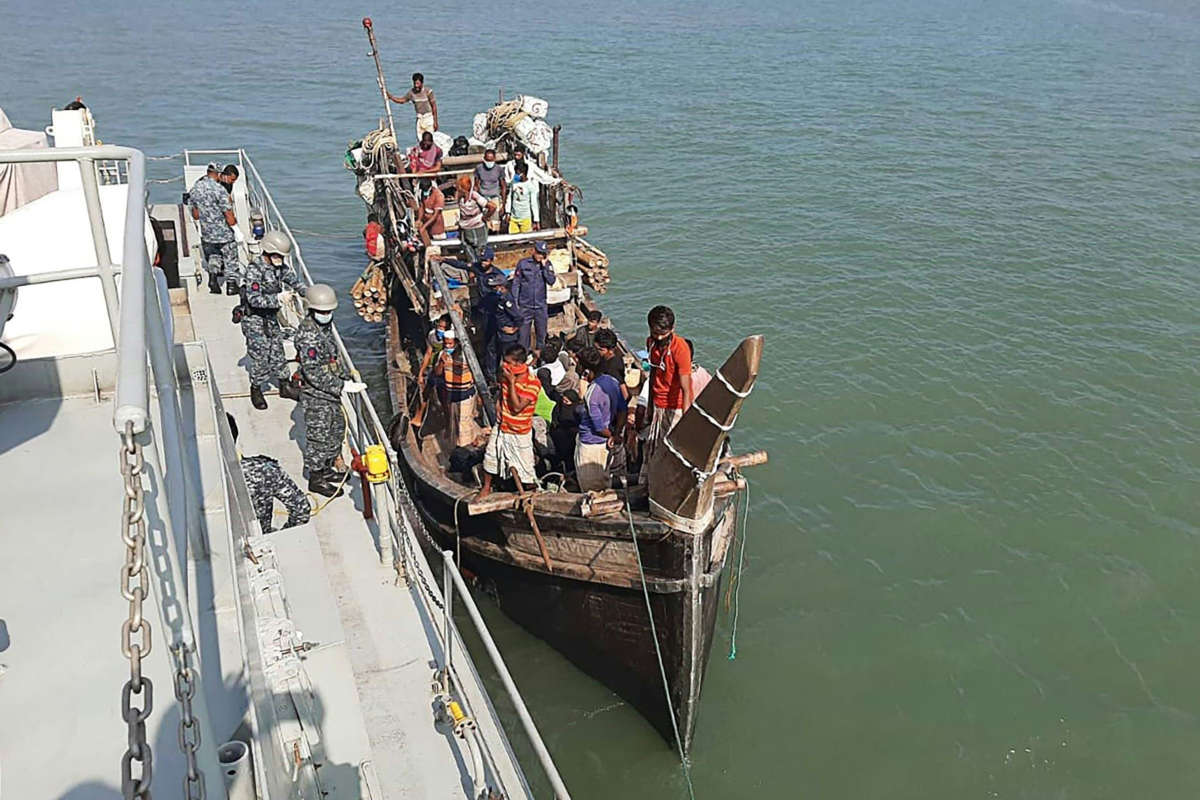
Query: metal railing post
[
  {"x": 448, "y": 600},
  {"x": 386, "y": 522},
  {"x": 489, "y": 644},
  {"x": 91, "y": 196}
]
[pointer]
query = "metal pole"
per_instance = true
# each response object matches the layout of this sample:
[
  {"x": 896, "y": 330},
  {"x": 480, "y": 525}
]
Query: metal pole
[
  {"x": 386, "y": 523},
  {"x": 181, "y": 483},
  {"x": 557, "y": 130},
  {"x": 535, "y": 738},
  {"x": 461, "y": 331},
  {"x": 387, "y": 106},
  {"x": 91, "y": 196},
  {"x": 447, "y": 597}
]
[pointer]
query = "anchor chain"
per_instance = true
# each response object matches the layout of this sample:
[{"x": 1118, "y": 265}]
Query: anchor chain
[
  {"x": 189, "y": 726},
  {"x": 135, "y": 586}
]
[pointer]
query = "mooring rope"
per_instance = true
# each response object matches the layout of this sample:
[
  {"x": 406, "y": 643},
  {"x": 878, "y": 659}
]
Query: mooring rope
[
  {"x": 662, "y": 670},
  {"x": 741, "y": 561}
]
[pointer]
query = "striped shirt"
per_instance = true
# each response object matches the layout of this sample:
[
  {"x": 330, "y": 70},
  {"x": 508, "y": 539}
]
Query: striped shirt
[{"x": 520, "y": 422}]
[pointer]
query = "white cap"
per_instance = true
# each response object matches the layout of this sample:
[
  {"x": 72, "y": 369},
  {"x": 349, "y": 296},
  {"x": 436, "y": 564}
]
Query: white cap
[{"x": 450, "y": 334}]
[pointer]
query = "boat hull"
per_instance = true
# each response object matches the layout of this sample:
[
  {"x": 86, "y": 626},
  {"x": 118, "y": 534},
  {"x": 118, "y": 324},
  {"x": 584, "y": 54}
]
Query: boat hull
[{"x": 599, "y": 625}]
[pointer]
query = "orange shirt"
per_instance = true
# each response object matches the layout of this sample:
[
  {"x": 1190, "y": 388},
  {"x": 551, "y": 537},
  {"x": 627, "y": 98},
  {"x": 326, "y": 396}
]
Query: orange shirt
[
  {"x": 669, "y": 362},
  {"x": 520, "y": 422}
]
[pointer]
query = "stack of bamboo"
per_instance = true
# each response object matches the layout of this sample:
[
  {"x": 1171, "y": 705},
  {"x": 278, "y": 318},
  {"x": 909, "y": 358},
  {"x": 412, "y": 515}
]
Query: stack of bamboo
[
  {"x": 593, "y": 263},
  {"x": 370, "y": 293}
]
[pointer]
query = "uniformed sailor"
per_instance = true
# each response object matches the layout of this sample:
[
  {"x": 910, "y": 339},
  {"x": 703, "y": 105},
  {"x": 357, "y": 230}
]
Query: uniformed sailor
[
  {"x": 268, "y": 284},
  {"x": 212, "y": 207},
  {"x": 502, "y": 324},
  {"x": 267, "y": 483},
  {"x": 529, "y": 283},
  {"x": 325, "y": 379}
]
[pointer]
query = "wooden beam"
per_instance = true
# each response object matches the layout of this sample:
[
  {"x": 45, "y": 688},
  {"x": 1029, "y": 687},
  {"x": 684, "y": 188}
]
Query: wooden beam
[{"x": 751, "y": 459}]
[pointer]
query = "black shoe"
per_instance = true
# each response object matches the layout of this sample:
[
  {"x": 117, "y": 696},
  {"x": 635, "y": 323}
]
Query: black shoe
[
  {"x": 256, "y": 398},
  {"x": 289, "y": 389},
  {"x": 214, "y": 285},
  {"x": 231, "y": 288},
  {"x": 322, "y": 483}
]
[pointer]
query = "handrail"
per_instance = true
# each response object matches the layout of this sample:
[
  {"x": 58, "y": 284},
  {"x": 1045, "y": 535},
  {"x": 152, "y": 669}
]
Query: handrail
[
  {"x": 133, "y": 395},
  {"x": 455, "y": 580}
]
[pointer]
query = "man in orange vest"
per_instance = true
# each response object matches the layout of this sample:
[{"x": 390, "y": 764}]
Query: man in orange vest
[{"x": 511, "y": 443}]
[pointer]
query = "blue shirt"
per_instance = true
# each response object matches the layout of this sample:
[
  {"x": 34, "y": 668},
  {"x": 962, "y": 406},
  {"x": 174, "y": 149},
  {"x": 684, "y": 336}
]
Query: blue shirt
[
  {"x": 612, "y": 388},
  {"x": 597, "y": 416}
]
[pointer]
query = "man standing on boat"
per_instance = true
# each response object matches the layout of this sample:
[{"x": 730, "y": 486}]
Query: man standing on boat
[
  {"x": 529, "y": 283},
  {"x": 266, "y": 287},
  {"x": 423, "y": 103},
  {"x": 325, "y": 379},
  {"x": 670, "y": 380},
  {"x": 510, "y": 447},
  {"x": 502, "y": 323},
  {"x": 212, "y": 207}
]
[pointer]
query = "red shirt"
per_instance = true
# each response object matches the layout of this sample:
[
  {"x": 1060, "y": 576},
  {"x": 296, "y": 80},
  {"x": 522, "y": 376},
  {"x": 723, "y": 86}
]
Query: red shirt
[
  {"x": 528, "y": 387},
  {"x": 669, "y": 362}
]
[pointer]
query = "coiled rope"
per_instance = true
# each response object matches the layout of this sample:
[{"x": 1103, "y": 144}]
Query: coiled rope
[{"x": 662, "y": 670}]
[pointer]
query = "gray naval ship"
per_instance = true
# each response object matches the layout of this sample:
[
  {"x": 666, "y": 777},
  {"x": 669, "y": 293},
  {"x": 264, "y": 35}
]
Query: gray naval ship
[{"x": 154, "y": 639}]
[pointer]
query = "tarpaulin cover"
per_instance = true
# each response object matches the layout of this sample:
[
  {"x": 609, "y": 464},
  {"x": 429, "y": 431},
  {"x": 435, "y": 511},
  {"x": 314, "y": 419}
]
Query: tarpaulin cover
[{"x": 22, "y": 183}]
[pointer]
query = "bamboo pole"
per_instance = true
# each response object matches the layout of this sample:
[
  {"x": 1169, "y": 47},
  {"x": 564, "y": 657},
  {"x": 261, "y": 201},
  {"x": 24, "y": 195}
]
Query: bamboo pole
[{"x": 387, "y": 106}]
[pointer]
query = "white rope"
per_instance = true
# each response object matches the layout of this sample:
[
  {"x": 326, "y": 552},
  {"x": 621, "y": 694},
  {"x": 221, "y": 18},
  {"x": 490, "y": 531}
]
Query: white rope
[
  {"x": 713, "y": 420},
  {"x": 729, "y": 386},
  {"x": 662, "y": 670},
  {"x": 701, "y": 475},
  {"x": 737, "y": 591}
]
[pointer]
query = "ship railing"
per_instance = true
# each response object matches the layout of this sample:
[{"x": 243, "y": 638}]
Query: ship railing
[
  {"x": 140, "y": 330},
  {"x": 401, "y": 530}
]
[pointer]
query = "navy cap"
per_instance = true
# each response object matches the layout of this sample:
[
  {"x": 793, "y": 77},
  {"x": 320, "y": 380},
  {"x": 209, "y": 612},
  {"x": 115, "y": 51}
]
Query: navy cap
[
  {"x": 540, "y": 247},
  {"x": 487, "y": 253},
  {"x": 496, "y": 280}
]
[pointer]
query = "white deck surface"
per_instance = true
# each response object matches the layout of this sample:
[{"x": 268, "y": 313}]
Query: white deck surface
[{"x": 60, "y": 555}]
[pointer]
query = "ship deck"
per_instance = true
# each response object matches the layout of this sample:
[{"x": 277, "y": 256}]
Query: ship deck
[{"x": 373, "y": 641}]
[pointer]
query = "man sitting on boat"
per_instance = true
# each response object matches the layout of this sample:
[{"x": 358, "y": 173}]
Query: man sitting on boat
[{"x": 510, "y": 447}]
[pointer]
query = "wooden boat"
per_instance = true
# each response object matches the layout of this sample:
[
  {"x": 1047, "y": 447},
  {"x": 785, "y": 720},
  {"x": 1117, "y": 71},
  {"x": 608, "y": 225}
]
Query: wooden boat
[{"x": 575, "y": 569}]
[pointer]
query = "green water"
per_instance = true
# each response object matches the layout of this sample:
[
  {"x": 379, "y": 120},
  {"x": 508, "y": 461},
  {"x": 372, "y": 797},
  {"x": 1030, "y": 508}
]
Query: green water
[{"x": 968, "y": 232}]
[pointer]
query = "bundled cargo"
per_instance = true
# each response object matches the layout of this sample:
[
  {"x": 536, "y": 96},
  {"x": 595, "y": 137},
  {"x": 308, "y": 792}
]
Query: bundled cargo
[
  {"x": 521, "y": 118},
  {"x": 593, "y": 264},
  {"x": 370, "y": 293}
]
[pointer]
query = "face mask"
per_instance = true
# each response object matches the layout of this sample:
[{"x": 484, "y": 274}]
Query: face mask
[
  {"x": 323, "y": 317},
  {"x": 517, "y": 178},
  {"x": 441, "y": 334},
  {"x": 228, "y": 187},
  {"x": 449, "y": 348},
  {"x": 489, "y": 164}
]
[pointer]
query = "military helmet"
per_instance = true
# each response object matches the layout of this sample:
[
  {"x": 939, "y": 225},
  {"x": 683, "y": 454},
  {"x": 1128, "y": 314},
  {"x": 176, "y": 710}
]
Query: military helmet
[
  {"x": 276, "y": 242},
  {"x": 321, "y": 297}
]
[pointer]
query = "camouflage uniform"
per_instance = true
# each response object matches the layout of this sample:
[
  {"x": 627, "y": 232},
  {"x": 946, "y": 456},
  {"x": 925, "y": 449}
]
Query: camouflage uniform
[
  {"x": 323, "y": 375},
  {"x": 211, "y": 200},
  {"x": 267, "y": 482},
  {"x": 260, "y": 323}
]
